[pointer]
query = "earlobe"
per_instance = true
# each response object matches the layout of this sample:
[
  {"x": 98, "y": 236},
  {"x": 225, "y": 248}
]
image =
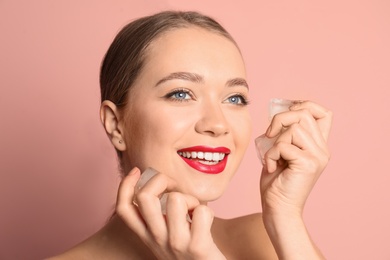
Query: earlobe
[{"x": 110, "y": 118}]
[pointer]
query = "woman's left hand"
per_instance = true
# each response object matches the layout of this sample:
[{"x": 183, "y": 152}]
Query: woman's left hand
[{"x": 296, "y": 160}]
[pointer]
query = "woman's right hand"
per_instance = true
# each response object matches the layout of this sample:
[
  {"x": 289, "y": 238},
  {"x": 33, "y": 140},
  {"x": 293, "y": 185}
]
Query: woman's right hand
[{"x": 170, "y": 236}]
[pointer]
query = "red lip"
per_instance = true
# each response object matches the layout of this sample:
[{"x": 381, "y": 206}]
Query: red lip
[
  {"x": 208, "y": 169},
  {"x": 201, "y": 148}
]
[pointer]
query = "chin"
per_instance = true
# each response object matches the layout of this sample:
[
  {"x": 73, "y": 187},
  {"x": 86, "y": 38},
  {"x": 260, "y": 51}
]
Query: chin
[{"x": 207, "y": 195}]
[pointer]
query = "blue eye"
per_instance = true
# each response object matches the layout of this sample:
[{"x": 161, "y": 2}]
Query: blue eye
[
  {"x": 179, "y": 95},
  {"x": 237, "y": 100}
]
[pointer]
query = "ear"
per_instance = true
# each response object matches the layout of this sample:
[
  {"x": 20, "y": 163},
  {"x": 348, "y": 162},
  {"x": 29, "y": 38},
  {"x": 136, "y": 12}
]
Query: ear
[{"x": 110, "y": 117}]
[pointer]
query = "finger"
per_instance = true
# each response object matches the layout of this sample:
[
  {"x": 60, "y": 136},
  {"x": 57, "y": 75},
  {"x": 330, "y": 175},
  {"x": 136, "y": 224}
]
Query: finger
[
  {"x": 290, "y": 146},
  {"x": 316, "y": 110},
  {"x": 149, "y": 206},
  {"x": 158, "y": 184},
  {"x": 178, "y": 226},
  {"x": 296, "y": 136},
  {"x": 202, "y": 220},
  {"x": 281, "y": 150},
  {"x": 124, "y": 206},
  {"x": 303, "y": 117},
  {"x": 322, "y": 115},
  {"x": 300, "y": 137}
]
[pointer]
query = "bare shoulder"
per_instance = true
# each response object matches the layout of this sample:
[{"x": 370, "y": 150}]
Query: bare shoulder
[
  {"x": 81, "y": 251},
  {"x": 244, "y": 237},
  {"x": 112, "y": 241},
  {"x": 90, "y": 248}
]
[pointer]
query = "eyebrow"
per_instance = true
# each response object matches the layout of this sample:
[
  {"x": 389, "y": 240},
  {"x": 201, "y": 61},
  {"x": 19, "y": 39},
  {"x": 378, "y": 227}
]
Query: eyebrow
[
  {"x": 196, "y": 78},
  {"x": 237, "y": 82},
  {"x": 193, "y": 77}
]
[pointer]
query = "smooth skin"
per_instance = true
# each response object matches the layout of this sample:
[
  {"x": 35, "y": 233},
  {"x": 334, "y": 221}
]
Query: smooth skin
[{"x": 207, "y": 110}]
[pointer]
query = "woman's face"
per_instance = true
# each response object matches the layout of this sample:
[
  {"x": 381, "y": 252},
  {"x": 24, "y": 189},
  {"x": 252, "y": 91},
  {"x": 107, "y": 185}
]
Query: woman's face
[{"x": 186, "y": 114}]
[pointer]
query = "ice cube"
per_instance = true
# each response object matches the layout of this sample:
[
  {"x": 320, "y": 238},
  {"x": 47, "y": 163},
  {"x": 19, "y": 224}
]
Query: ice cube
[
  {"x": 263, "y": 143},
  {"x": 145, "y": 177},
  {"x": 278, "y": 105}
]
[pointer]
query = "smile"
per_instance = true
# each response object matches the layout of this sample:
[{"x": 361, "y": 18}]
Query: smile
[{"x": 205, "y": 159}]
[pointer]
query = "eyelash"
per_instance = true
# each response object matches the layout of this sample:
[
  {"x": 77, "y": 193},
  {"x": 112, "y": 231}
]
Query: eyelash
[
  {"x": 244, "y": 101},
  {"x": 171, "y": 94}
]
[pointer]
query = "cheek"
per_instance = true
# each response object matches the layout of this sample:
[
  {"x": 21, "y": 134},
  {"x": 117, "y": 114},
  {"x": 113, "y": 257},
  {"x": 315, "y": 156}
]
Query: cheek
[
  {"x": 157, "y": 134},
  {"x": 158, "y": 125},
  {"x": 241, "y": 125},
  {"x": 170, "y": 122}
]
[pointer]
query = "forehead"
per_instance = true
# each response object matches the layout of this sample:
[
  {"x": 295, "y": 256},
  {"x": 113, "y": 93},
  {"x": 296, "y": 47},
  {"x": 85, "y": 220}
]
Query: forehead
[{"x": 193, "y": 49}]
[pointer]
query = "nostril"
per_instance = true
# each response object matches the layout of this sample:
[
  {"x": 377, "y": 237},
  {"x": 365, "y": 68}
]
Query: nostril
[
  {"x": 212, "y": 121},
  {"x": 212, "y": 128}
]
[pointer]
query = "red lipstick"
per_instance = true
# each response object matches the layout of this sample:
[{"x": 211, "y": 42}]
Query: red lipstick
[{"x": 203, "y": 165}]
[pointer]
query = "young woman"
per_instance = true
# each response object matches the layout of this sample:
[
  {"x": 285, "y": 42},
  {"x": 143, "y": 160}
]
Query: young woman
[{"x": 174, "y": 98}]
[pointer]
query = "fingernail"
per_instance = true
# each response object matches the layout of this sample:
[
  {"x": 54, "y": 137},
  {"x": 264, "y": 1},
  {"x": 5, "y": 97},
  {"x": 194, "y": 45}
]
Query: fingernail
[
  {"x": 296, "y": 104},
  {"x": 134, "y": 171}
]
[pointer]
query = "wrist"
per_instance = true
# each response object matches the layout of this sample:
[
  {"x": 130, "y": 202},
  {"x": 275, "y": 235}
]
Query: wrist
[
  {"x": 282, "y": 215},
  {"x": 279, "y": 224},
  {"x": 290, "y": 237}
]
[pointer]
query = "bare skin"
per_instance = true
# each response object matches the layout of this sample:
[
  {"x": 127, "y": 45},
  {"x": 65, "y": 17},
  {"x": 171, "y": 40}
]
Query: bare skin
[
  {"x": 206, "y": 108},
  {"x": 239, "y": 238}
]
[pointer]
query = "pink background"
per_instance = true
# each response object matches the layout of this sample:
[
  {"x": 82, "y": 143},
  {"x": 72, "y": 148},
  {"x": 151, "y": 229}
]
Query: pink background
[{"x": 58, "y": 171}]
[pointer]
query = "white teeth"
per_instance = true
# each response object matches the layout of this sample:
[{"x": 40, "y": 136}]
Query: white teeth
[
  {"x": 208, "y": 162},
  {"x": 208, "y": 157}
]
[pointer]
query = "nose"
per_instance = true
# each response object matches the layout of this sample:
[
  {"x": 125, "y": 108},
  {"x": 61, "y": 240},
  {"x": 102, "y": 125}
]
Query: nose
[{"x": 212, "y": 121}]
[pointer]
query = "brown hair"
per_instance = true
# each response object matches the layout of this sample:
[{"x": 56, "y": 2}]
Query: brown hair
[{"x": 125, "y": 57}]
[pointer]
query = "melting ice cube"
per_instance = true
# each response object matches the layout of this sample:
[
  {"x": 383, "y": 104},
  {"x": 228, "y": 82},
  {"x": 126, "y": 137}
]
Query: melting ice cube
[
  {"x": 145, "y": 177},
  {"x": 263, "y": 143}
]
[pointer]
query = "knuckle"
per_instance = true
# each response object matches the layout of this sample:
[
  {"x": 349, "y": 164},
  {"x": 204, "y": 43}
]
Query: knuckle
[
  {"x": 275, "y": 118},
  {"x": 175, "y": 198},
  {"x": 205, "y": 210},
  {"x": 306, "y": 115},
  {"x": 295, "y": 128},
  {"x": 158, "y": 239},
  {"x": 311, "y": 164},
  {"x": 325, "y": 158},
  {"x": 329, "y": 113},
  {"x": 143, "y": 196},
  {"x": 175, "y": 245},
  {"x": 317, "y": 163},
  {"x": 280, "y": 145}
]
